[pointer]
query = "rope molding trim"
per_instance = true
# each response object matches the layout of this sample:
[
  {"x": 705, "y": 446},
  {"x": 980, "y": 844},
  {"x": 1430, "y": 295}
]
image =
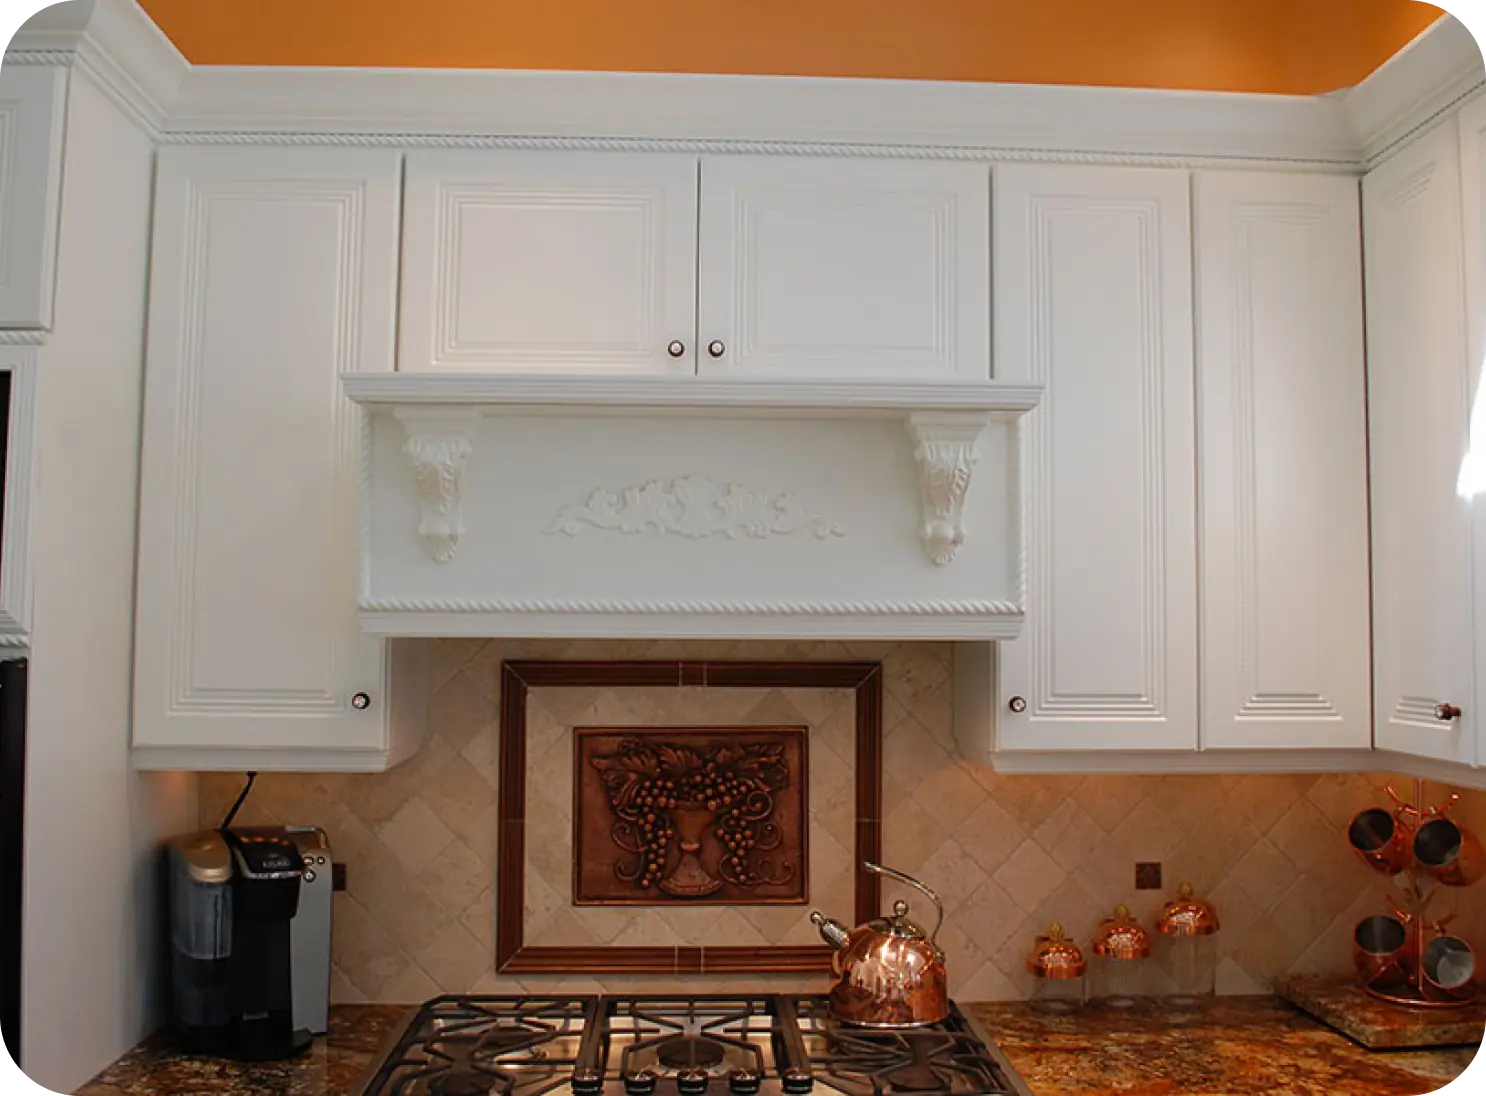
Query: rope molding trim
[{"x": 696, "y": 608}]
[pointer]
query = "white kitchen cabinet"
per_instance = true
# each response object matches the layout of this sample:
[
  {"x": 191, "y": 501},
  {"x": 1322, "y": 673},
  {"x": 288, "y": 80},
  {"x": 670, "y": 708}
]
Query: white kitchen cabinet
[
  {"x": 274, "y": 271},
  {"x": 17, "y": 459},
  {"x": 844, "y": 267},
  {"x": 33, "y": 103},
  {"x": 1419, "y": 390},
  {"x": 524, "y": 261},
  {"x": 1283, "y": 462},
  {"x": 1093, "y": 299}
]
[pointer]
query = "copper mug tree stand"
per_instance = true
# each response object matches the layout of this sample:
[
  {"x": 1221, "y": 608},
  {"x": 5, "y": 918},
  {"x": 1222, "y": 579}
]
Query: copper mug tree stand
[{"x": 1408, "y": 960}]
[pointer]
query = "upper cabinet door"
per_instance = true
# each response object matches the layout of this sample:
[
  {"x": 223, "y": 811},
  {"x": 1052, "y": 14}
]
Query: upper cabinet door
[
  {"x": 1418, "y": 396},
  {"x": 33, "y": 102},
  {"x": 274, "y": 272},
  {"x": 1283, "y": 458},
  {"x": 844, "y": 267},
  {"x": 1094, "y": 301},
  {"x": 1472, "y": 123},
  {"x": 572, "y": 262}
]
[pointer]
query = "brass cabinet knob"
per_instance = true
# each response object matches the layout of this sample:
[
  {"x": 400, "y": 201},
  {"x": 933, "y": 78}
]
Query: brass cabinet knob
[
  {"x": 361, "y": 701},
  {"x": 1446, "y": 712},
  {"x": 676, "y": 348},
  {"x": 1017, "y": 704},
  {"x": 716, "y": 348}
]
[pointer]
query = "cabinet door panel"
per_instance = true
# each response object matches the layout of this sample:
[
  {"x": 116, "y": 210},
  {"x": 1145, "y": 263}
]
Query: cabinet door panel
[
  {"x": 1093, "y": 300},
  {"x": 1472, "y": 485},
  {"x": 549, "y": 261},
  {"x": 33, "y": 100},
  {"x": 274, "y": 272},
  {"x": 1418, "y": 406},
  {"x": 844, "y": 267},
  {"x": 1282, "y": 423}
]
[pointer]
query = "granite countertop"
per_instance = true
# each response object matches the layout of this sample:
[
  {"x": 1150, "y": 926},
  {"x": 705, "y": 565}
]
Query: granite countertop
[{"x": 1232, "y": 1047}]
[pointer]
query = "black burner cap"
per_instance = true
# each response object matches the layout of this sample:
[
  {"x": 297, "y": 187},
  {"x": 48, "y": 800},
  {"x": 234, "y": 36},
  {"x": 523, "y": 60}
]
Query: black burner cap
[
  {"x": 797, "y": 1081},
  {"x": 744, "y": 1082},
  {"x": 640, "y": 1084},
  {"x": 692, "y": 1082},
  {"x": 587, "y": 1082}
]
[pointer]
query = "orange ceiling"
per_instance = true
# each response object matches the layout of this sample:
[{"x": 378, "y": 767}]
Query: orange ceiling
[{"x": 1286, "y": 46}]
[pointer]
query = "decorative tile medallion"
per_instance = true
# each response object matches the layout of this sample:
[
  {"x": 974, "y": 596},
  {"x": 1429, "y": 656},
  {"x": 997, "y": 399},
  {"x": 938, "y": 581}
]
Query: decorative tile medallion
[{"x": 674, "y": 815}]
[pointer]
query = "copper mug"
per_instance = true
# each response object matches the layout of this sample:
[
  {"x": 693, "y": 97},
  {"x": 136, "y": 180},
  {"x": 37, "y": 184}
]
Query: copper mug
[
  {"x": 1450, "y": 854},
  {"x": 1382, "y": 840},
  {"x": 1449, "y": 964},
  {"x": 1379, "y": 947}
]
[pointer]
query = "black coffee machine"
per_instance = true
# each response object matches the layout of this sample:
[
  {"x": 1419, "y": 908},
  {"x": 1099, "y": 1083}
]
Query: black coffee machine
[{"x": 234, "y": 893}]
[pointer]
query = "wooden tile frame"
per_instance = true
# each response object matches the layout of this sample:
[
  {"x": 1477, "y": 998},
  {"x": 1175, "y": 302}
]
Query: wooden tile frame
[{"x": 517, "y": 678}]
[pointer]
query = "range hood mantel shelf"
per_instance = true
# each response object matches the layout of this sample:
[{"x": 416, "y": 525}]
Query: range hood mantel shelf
[{"x": 830, "y": 445}]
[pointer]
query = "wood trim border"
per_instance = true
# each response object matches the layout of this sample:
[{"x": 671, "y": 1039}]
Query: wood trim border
[{"x": 518, "y": 678}]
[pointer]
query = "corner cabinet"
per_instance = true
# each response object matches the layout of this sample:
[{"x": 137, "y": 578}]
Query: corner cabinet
[
  {"x": 1283, "y": 462},
  {"x": 739, "y": 266},
  {"x": 1419, "y": 392},
  {"x": 1094, "y": 301},
  {"x": 274, "y": 271},
  {"x": 33, "y": 106}
]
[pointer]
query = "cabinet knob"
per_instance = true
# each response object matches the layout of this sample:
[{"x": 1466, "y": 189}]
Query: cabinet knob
[
  {"x": 676, "y": 348},
  {"x": 361, "y": 701},
  {"x": 1446, "y": 712},
  {"x": 1017, "y": 704},
  {"x": 716, "y": 348}
]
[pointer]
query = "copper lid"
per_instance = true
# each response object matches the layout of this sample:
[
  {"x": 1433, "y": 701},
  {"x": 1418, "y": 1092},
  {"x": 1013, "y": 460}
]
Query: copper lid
[
  {"x": 1188, "y": 916},
  {"x": 1056, "y": 956},
  {"x": 1121, "y": 937}
]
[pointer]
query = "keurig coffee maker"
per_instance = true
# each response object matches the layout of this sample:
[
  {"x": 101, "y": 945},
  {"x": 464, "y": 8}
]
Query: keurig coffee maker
[{"x": 235, "y": 948}]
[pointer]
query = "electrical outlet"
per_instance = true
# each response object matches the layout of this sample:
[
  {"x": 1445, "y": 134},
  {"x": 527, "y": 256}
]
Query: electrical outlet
[
  {"x": 1147, "y": 876},
  {"x": 337, "y": 877}
]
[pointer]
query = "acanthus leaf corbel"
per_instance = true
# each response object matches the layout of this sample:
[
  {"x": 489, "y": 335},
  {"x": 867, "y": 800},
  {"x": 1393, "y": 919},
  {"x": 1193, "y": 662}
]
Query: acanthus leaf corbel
[
  {"x": 439, "y": 443},
  {"x": 944, "y": 444}
]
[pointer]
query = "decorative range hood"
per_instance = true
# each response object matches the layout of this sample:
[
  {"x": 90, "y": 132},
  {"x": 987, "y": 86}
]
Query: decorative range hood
[{"x": 517, "y": 505}]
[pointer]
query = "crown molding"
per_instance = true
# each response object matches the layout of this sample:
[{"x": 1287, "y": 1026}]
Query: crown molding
[
  {"x": 788, "y": 114},
  {"x": 1435, "y": 72},
  {"x": 117, "y": 45}
]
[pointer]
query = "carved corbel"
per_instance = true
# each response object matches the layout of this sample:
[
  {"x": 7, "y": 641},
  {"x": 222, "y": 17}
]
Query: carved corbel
[
  {"x": 944, "y": 446},
  {"x": 440, "y": 440}
]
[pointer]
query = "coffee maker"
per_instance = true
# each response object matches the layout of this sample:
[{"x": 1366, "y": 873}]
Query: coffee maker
[{"x": 250, "y": 940}]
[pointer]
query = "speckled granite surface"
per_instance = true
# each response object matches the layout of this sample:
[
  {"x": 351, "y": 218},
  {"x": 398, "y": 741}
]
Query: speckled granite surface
[
  {"x": 1346, "y": 1006},
  {"x": 1235, "y": 1047}
]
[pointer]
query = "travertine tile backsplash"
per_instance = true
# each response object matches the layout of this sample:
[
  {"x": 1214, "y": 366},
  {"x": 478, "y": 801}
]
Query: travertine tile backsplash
[{"x": 1010, "y": 854}]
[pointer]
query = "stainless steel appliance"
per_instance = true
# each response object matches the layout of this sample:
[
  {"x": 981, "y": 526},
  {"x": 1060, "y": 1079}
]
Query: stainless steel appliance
[
  {"x": 763, "y": 1044},
  {"x": 250, "y": 940}
]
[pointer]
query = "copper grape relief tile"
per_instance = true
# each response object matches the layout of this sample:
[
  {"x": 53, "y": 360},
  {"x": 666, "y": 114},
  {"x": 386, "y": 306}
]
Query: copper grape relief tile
[{"x": 684, "y": 816}]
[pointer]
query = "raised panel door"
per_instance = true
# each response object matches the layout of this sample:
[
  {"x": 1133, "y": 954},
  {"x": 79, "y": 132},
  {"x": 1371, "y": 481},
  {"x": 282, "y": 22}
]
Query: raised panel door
[
  {"x": 1093, "y": 301},
  {"x": 573, "y": 262},
  {"x": 33, "y": 100},
  {"x": 274, "y": 272},
  {"x": 1418, "y": 400},
  {"x": 1282, "y": 425},
  {"x": 844, "y": 267}
]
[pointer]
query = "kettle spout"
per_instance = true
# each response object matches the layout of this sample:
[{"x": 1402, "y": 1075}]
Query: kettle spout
[{"x": 833, "y": 932}]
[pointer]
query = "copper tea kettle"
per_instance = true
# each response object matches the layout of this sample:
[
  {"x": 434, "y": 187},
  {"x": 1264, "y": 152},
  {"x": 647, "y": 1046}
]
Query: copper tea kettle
[{"x": 889, "y": 974}]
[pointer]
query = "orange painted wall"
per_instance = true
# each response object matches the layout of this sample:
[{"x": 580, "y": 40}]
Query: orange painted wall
[{"x": 1288, "y": 46}]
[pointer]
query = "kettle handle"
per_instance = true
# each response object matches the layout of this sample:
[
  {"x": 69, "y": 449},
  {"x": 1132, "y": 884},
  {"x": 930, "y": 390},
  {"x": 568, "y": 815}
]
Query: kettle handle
[{"x": 902, "y": 877}]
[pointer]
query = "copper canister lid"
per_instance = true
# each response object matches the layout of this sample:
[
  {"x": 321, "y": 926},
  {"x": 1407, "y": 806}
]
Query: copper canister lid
[
  {"x": 1056, "y": 956},
  {"x": 1121, "y": 937},
  {"x": 1186, "y": 915}
]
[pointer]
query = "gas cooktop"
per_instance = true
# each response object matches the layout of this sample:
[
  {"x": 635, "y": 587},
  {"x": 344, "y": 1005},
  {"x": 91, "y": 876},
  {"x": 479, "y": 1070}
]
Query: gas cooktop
[{"x": 649, "y": 1045}]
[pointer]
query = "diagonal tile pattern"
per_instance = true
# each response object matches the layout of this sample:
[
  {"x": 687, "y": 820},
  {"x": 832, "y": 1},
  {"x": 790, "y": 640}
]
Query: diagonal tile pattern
[{"x": 1010, "y": 853}]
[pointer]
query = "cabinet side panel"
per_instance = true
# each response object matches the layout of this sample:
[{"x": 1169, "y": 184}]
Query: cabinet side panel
[{"x": 1472, "y": 485}]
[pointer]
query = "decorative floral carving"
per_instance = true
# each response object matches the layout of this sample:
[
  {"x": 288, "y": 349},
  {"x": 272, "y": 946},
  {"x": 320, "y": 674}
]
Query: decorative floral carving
[
  {"x": 693, "y": 506},
  {"x": 439, "y": 443},
  {"x": 669, "y": 799},
  {"x": 944, "y": 446}
]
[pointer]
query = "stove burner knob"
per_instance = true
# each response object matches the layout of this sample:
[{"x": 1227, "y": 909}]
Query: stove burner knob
[
  {"x": 587, "y": 1082},
  {"x": 798, "y": 1081},
  {"x": 640, "y": 1084},
  {"x": 692, "y": 1082},
  {"x": 744, "y": 1082}
]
